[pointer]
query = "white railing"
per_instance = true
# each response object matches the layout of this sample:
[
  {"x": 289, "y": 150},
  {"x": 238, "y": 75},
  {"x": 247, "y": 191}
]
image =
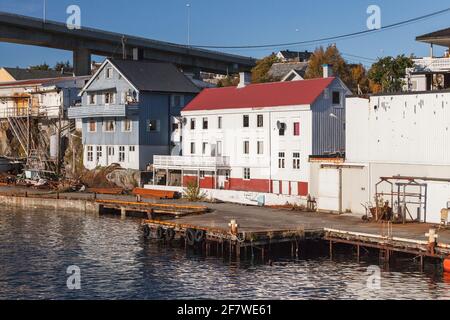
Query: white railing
[
  {"x": 433, "y": 64},
  {"x": 191, "y": 162}
]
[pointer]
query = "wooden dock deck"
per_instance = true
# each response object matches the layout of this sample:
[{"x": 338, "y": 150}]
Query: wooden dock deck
[{"x": 262, "y": 227}]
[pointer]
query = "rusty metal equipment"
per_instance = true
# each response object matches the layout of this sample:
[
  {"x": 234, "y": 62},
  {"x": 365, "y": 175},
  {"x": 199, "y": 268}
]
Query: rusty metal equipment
[{"x": 405, "y": 192}]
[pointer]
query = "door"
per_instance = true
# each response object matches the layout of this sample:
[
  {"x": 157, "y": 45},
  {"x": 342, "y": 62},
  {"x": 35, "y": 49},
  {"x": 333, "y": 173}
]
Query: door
[
  {"x": 329, "y": 190},
  {"x": 285, "y": 188}
]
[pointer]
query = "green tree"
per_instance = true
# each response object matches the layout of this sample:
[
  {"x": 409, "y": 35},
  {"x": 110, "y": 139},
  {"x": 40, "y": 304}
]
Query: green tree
[
  {"x": 388, "y": 73},
  {"x": 260, "y": 73},
  {"x": 63, "y": 66},
  {"x": 43, "y": 66}
]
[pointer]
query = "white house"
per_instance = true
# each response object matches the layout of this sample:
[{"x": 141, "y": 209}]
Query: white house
[
  {"x": 258, "y": 137},
  {"x": 402, "y": 138}
]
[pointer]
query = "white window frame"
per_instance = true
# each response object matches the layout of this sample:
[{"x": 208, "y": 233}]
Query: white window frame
[
  {"x": 282, "y": 160},
  {"x": 105, "y": 126},
  {"x": 90, "y": 153},
  {"x": 219, "y": 123},
  {"x": 124, "y": 126},
  {"x": 109, "y": 73},
  {"x": 111, "y": 100},
  {"x": 296, "y": 163},
  {"x": 99, "y": 153},
  {"x": 247, "y": 174},
  {"x": 89, "y": 126},
  {"x": 219, "y": 147},
  {"x": 192, "y": 148},
  {"x": 246, "y": 147},
  {"x": 122, "y": 154},
  {"x": 92, "y": 102},
  {"x": 260, "y": 147},
  {"x": 204, "y": 147}
]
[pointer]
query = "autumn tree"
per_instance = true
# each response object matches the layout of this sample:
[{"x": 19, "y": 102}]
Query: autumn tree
[
  {"x": 260, "y": 73},
  {"x": 353, "y": 75},
  {"x": 228, "y": 81},
  {"x": 388, "y": 74}
]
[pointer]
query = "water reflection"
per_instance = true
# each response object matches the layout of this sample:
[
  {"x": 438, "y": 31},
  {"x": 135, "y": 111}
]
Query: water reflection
[{"x": 117, "y": 263}]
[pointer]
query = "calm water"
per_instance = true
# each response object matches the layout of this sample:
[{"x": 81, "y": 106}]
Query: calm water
[{"x": 116, "y": 262}]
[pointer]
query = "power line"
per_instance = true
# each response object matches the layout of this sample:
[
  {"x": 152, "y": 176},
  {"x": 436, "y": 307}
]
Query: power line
[{"x": 344, "y": 36}]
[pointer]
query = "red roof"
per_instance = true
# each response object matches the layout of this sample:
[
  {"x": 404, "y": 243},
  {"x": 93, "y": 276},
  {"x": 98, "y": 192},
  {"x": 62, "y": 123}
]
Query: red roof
[{"x": 290, "y": 93}]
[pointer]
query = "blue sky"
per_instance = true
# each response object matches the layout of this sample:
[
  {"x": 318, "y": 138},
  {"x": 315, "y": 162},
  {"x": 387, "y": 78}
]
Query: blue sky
[{"x": 238, "y": 22}]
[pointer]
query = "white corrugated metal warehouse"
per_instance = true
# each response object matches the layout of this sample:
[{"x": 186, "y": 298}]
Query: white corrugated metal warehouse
[{"x": 404, "y": 135}]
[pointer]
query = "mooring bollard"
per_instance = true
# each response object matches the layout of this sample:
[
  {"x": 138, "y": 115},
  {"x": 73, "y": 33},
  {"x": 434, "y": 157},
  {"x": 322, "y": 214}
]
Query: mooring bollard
[{"x": 233, "y": 227}]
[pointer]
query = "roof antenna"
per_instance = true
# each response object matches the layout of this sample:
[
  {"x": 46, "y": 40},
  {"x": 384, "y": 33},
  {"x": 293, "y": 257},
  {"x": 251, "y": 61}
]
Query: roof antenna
[{"x": 124, "y": 52}]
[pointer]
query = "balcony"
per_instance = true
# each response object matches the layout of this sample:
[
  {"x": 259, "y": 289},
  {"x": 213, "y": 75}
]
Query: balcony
[
  {"x": 92, "y": 111},
  {"x": 432, "y": 64},
  {"x": 194, "y": 162}
]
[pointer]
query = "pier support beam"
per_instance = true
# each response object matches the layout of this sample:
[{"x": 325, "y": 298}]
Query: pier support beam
[{"x": 123, "y": 213}]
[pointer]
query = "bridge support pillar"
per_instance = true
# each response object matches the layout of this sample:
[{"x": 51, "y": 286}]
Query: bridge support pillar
[{"x": 82, "y": 62}]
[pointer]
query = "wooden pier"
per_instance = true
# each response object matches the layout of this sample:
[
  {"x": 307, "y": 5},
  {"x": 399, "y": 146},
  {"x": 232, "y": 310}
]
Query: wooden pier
[
  {"x": 231, "y": 233},
  {"x": 149, "y": 210}
]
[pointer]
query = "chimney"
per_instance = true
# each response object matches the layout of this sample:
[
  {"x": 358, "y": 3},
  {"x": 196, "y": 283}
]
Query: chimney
[
  {"x": 327, "y": 71},
  {"x": 245, "y": 78}
]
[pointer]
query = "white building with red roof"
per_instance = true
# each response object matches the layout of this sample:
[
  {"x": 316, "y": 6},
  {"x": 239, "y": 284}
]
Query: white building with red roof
[{"x": 257, "y": 138}]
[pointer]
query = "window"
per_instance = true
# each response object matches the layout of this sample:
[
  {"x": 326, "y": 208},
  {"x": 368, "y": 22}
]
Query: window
[
  {"x": 193, "y": 124},
  {"x": 132, "y": 148},
  {"x": 282, "y": 130},
  {"x": 205, "y": 123},
  {"x": 92, "y": 126},
  {"x": 126, "y": 125},
  {"x": 297, "y": 129},
  {"x": 296, "y": 160},
  {"x": 111, "y": 151},
  {"x": 99, "y": 153},
  {"x": 121, "y": 154},
  {"x": 91, "y": 98},
  {"x": 336, "y": 97},
  {"x": 109, "y": 73},
  {"x": 227, "y": 175},
  {"x": 246, "y": 147},
  {"x": 219, "y": 123},
  {"x": 110, "y": 125},
  {"x": 192, "y": 147},
  {"x": 176, "y": 101},
  {"x": 260, "y": 121},
  {"x": 202, "y": 174},
  {"x": 247, "y": 175},
  {"x": 260, "y": 147},
  {"x": 90, "y": 153},
  {"x": 281, "y": 160},
  {"x": 246, "y": 120},
  {"x": 204, "y": 146},
  {"x": 109, "y": 98},
  {"x": 219, "y": 148},
  {"x": 153, "y": 125}
]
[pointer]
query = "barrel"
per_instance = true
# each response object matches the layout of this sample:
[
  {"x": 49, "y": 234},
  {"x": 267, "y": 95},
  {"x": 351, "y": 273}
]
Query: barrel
[{"x": 447, "y": 264}]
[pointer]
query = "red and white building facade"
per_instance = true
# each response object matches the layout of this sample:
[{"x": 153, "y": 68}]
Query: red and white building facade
[{"x": 258, "y": 138}]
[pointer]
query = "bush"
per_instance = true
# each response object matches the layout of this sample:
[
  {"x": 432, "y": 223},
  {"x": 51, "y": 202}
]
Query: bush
[{"x": 193, "y": 192}]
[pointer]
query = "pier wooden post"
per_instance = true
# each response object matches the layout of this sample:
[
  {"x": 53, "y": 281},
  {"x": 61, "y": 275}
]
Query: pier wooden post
[
  {"x": 123, "y": 213},
  {"x": 238, "y": 251},
  {"x": 358, "y": 252},
  {"x": 331, "y": 250}
]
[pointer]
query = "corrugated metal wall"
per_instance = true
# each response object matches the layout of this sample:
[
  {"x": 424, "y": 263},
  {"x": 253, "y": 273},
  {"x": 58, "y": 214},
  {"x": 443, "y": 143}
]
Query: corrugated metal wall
[{"x": 328, "y": 131}]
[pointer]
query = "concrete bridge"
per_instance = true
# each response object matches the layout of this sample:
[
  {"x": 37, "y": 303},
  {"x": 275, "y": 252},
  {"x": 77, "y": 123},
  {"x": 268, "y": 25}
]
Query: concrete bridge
[{"x": 87, "y": 41}]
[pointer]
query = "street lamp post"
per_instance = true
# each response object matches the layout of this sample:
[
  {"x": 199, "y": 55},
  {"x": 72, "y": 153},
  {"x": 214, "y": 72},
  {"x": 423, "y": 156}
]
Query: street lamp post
[{"x": 188, "y": 5}]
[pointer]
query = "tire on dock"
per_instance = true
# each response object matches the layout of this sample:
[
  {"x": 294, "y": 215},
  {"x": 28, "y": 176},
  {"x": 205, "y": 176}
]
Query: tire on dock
[
  {"x": 147, "y": 231},
  {"x": 170, "y": 234},
  {"x": 160, "y": 233},
  {"x": 190, "y": 237}
]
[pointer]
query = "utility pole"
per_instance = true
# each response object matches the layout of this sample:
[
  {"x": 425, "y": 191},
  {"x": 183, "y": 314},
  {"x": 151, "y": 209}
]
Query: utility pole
[
  {"x": 45, "y": 11},
  {"x": 189, "y": 24}
]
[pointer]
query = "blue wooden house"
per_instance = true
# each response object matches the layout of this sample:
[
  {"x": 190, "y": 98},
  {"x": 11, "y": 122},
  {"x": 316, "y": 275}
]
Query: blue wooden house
[{"x": 130, "y": 112}]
